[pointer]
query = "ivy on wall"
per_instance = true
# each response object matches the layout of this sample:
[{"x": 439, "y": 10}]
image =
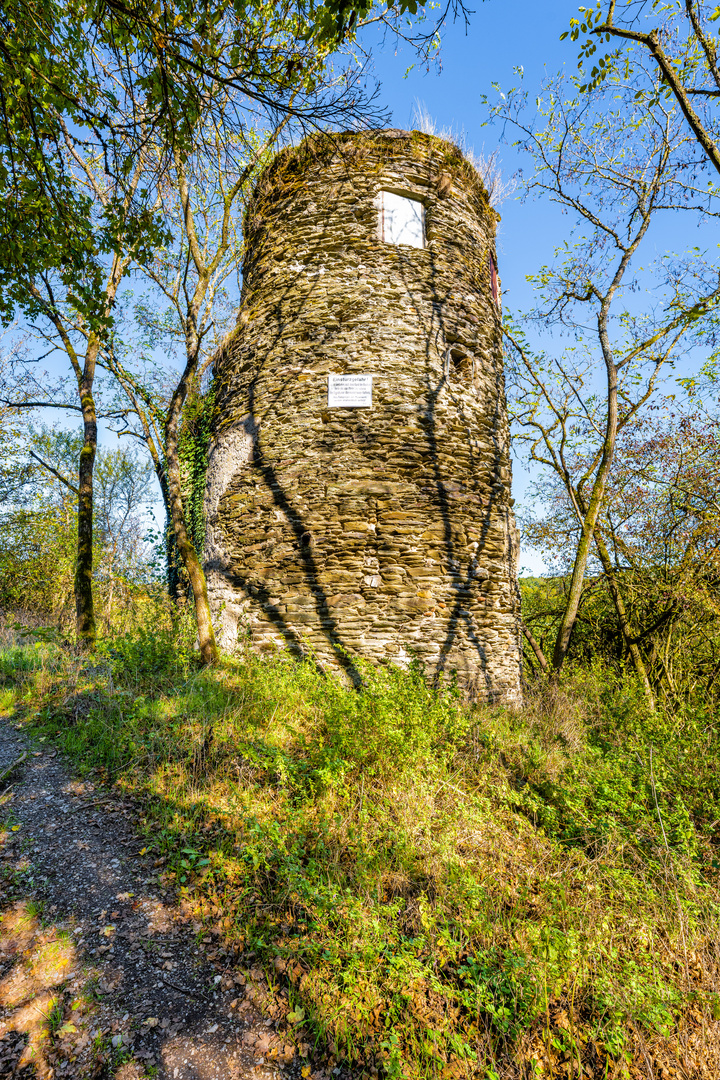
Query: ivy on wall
[{"x": 193, "y": 450}]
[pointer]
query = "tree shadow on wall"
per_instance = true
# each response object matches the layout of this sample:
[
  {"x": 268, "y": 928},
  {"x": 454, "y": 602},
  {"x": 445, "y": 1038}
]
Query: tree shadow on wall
[
  {"x": 303, "y": 539},
  {"x": 441, "y": 338}
]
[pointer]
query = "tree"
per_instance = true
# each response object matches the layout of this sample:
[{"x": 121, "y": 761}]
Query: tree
[
  {"x": 203, "y": 201},
  {"x": 90, "y": 146},
  {"x": 653, "y": 582},
  {"x": 39, "y": 498},
  {"x": 680, "y": 45},
  {"x": 660, "y": 544},
  {"x": 615, "y": 160},
  {"x": 67, "y": 326},
  {"x": 78, "y": 64}
]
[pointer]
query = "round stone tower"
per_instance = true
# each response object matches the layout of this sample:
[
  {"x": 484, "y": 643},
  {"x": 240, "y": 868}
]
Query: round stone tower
[{"x": 358, "y": 492}]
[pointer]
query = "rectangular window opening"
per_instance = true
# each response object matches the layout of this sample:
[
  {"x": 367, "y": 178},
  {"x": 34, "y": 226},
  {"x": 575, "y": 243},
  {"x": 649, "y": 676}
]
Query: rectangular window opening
[
  {"x": 459, "y": 365},
  {"x": 494, "y": 283},
  {"x": 402, "y": 220}
]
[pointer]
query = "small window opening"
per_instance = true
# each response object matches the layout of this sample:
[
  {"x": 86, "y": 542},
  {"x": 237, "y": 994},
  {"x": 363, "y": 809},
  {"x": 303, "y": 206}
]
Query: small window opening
[
  {"x": 402, "y": 220},
  {"x": 459, "y": 365}
]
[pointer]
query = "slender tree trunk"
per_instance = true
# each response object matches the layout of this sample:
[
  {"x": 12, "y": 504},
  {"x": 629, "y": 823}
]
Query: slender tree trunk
[
  {"x": 534, "y": 645},
  {"x": 625, "y": 628},
  {"x": 176, "y": 581},
  {"x": 188, "y": 554},
  {"x": 84, "y": 605},
  {"x": 562, "y": 642},
  {"x": 592, "y": 512},
  {"x": 206, "y": 634}
]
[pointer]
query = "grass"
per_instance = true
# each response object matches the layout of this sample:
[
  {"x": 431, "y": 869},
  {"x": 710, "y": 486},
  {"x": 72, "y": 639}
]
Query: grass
[{"x": 433, "y": 889}]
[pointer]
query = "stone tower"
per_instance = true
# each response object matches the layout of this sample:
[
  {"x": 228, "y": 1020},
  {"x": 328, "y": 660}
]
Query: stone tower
[{"x": 358, "y": 491}]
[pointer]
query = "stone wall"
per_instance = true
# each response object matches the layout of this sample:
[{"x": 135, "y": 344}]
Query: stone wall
[{"x": 384, "y": 532}]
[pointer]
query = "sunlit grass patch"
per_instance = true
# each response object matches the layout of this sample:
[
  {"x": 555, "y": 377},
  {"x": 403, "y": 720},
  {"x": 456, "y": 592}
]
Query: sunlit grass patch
[{"x": 41, "y": 959}]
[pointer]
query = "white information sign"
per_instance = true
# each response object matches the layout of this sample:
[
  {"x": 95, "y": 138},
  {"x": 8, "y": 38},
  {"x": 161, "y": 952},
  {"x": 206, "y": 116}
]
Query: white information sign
[{"x": 350, "y": 391}]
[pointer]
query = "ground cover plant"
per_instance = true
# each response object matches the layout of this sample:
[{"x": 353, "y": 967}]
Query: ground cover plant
[{"x": 441, "y": 889}]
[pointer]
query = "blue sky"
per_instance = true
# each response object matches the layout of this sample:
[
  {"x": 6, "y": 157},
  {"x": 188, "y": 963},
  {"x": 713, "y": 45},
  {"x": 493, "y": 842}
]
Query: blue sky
[{"x": 500, "y": 37}]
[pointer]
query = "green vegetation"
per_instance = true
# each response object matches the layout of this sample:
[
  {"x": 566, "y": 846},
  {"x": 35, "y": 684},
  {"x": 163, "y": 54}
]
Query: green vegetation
[{"x": 444, "y": 889}]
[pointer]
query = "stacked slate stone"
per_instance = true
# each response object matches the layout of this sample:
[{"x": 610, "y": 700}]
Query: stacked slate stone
[{"x": 384, "y": 532}]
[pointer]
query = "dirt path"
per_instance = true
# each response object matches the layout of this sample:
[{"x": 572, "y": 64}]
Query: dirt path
[{"x": 102, "y": 973}]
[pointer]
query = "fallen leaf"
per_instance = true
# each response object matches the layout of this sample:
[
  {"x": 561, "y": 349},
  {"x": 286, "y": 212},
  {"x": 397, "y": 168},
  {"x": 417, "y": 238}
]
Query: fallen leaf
[
  {"x": 124, "y": 896},
  {"x": 151, "y": 1022},
  {"x": 67, "y": 1029},
  {"x": 297, "y": 1016},
  {"x": 305, "y": 1071},
  {"x": 16, "y": 827},
  {"x": 142, "y": 851}
]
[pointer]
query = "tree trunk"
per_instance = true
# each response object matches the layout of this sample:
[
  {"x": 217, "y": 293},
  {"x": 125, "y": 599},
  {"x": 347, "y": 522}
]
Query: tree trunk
[
  {"x": 206, "y": 634},
  {"x": 535, "y": 647},
  {"x": 628, "y": 635},
  {"x": 562, "y": 642},
  {"x": 592, "y": 510},
  {"x": 84, "y": 605}
]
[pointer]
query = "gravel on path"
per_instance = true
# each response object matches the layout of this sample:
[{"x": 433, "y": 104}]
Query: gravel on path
[{"x": 103, "y": 973}]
